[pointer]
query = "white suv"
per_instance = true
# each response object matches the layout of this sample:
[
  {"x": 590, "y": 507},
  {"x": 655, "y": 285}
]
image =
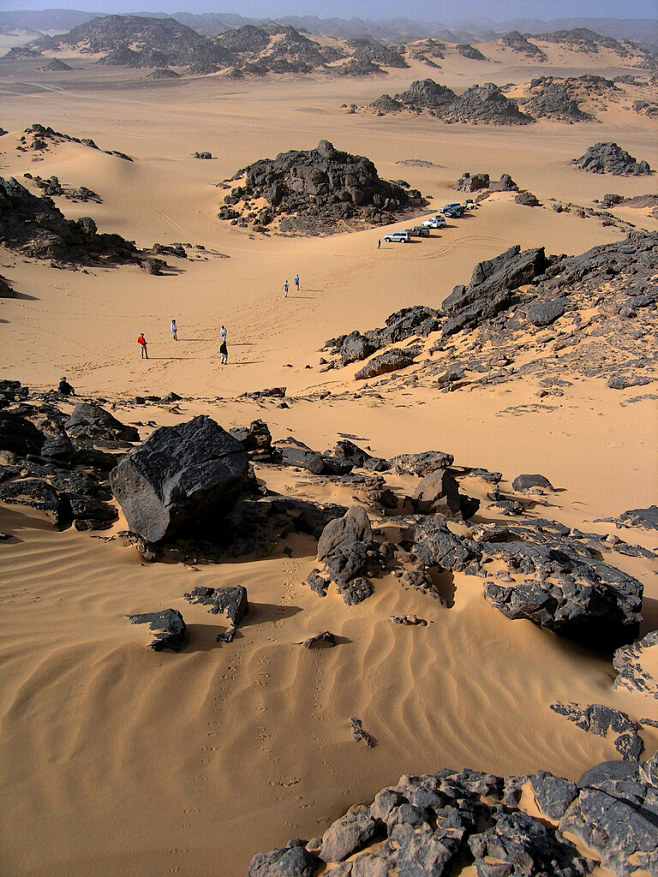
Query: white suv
[
  {"x": 434, "y": 222},
  {"x": 397, "y": 237}
]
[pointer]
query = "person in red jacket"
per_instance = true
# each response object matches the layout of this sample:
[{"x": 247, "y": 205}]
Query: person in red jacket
[{"x": 142, "y": 343}]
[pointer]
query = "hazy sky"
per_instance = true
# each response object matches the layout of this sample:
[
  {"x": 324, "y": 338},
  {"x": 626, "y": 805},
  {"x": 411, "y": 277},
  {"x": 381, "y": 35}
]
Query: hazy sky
[{"x": 428, "y": 10}]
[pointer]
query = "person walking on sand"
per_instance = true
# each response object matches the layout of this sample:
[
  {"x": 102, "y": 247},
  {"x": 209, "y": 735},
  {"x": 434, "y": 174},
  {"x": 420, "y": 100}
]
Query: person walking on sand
[
  {"x": 174, "y": 330},
  {"x": 223, "y": 350},
  {"x": 223, "y": 333},
  {"x": 297, "y": 282},
  {"x": 379, "y": 243},
  {"x": 142, "y": 344},
  {"x": 285, "y": 288}
]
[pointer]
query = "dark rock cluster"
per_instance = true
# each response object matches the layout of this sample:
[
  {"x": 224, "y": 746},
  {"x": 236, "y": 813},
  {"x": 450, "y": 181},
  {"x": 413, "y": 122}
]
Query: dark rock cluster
[
  {"x": 43, "y": 137},
  {"x": 595, "y": 315},
  {"x": 56, "y": 462},
  {"x": 609, "y": 158},
  {"x": 605, "y": 721},
  {"x": 317, "y": 190},
  {"x": 479, "y": 104},
  {"x": 522, "y": 45},
  {"x": 435, "y": 823},
  {"x": 38, "y": 228}
]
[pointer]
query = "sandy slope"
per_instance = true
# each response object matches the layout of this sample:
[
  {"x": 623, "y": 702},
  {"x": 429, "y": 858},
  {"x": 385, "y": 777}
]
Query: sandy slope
[{"x": 118, "y": 761}]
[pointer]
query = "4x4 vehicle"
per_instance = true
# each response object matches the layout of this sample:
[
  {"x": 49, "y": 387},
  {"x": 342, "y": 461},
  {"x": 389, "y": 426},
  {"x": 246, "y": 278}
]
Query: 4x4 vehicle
[
  {"x": 397, "y": 237},
  {"x": 419, "y": 231},
  {"x": 434, "y": 222},
  {"x": 453, "y": 210}
]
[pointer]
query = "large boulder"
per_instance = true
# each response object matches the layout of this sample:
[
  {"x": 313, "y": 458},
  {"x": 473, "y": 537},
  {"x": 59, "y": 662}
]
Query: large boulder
[
  {"x": 90, "y": 421},
  {"x": 180, "y": 480},
  {"x": 612, "y": 159}
]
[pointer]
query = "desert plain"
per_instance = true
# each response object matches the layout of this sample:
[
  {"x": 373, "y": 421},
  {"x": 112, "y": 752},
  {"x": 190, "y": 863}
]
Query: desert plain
[{"x": 118, "y": 760}]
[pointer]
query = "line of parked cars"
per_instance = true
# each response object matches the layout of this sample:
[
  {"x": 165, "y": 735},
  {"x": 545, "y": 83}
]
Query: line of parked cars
[{"x": 454, "y": 210}]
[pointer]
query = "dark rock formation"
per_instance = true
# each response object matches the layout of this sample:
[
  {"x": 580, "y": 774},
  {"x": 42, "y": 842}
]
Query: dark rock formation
[
  {"x": 57, "y": 66},
  {"x": 629, "y": 661},
  {"x": 472, "y": 182},
  {"x": 355, "y": 456},
  {"x": 432, "y": 824},
  {"x": 523, "y": 483},
  {"x": 256, "y": 439},
  {"x": 602, "y": 721},
  {"x": 230, "y": 601},
  {"x": 370, "y": 51},
  {"x": 647, "y": 518},
  {"x": 491, "y": 287},
  {"x": 479, "y": 104},
  {"x": 180, "y": 480},
  {"x": 466, "y": 50},
  {"x": 553, "y": 99},
  {"x": 392, "y": 360},
  {"x": 437, "y": 493},
  {"x": 321, "y": 186},
  {"x": 163, "y": 73},
  {"x": 518, "y": 43},
  {"x": 91, "y": 422},
  {"x": 40, "y": 495},
  {"x": 610, "y": 158},
  {"x": 295, "y": 453},
  {"x": 527, "y": 199},
  {"x": 38, "y": 228},
  {"x": 326, "y": 639},
  {"x": 422, "y": 464},
  {"x": 168, "y": 626}
]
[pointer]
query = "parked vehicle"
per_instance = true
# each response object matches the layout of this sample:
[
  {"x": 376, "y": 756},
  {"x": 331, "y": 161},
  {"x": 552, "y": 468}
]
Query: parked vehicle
[
  {"x": 434, "y": 222},
  {"x": 453, "y": 211},
  {"x": 419, "y": 231},
  {"x": 397, "y": 237}
]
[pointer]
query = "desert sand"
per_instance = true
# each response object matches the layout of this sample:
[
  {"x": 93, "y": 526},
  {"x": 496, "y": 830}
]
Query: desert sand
[{"x": 120, "y": 761}]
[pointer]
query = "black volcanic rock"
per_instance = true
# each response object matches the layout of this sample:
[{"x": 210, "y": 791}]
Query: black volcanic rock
[
  {"x": 182, "y": 479},
  {"x": 487, "y": 104},
  {"x": 323, "y": 187},
  {"x": 466, "y": 50},
  {"x": 551, "y": 100},
  {"x": 610, "y": 158},
  {"x": 168, "y": 627},
  {"x": 389, "y": 361},
  {"x": 56, "y": 65},
  {"x": 368, "y": 50},
  {"x": 518, "y": 43},
  {"x": 38, "y": 228},
  {"x": 426, "y": 94},
  {"x": 604, "y": 721}
]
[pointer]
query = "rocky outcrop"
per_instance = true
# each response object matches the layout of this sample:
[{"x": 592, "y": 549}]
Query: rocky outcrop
[
  {"x": 609, "y": 158},
  {"x": 431, "y": 824},
  {"x": 605, "y": 721},
  {"x": 478, "y": 182},
  {"x": 231, "y": 602},
  {"x": 368, "y": 50},
  {"x": 392, "y": 360},
  {"x": 168, "y": 627},
  {"x": 293, "y": 452},
  {"x": 491, "y": 287},
  {"x": 520, "y": 44},
  {"x": 181, "y": 480},
  {"x": 484, "y": 104},
  {"x": 466, "y": 50},
  {"x": 36, "y": 227},
  {"x": 633, "y": 664},
  {"x": 321, "y": 188}
]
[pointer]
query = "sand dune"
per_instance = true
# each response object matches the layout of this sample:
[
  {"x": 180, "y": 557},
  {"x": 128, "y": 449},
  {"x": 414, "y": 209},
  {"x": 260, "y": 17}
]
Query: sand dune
[{"x": 121, "y": 761}]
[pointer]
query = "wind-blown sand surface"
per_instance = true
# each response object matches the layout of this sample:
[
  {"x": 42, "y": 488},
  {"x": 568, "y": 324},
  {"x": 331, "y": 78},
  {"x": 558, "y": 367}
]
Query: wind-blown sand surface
[{"x": 120, "y": 761}]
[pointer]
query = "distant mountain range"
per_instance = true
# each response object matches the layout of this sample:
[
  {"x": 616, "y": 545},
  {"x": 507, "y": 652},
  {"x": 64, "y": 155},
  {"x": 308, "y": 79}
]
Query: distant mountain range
[{"x": 642, "y": 31}]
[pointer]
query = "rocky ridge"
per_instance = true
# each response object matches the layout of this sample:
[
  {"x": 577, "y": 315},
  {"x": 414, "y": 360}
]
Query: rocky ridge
[
  {"x": 578, "y": 313},
  {"x": 612, "y": 159},
  {"x": 319, "y": 190},
  {"x": 428, "y": 824}
]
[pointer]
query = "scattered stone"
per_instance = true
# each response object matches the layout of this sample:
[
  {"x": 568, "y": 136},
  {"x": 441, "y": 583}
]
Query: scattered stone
[
  {"x": 601, "y": 720},
  {"x": 629, "y": 661},
  {"x": 360, "y": 734},
  {"x": 524, "y": 483},
  {"x": 326, "y": 639},
  {"x": 647, "y": 518},
  {"x": 411, "y": 620},
  {"x": 168, "y": 626},
  {"x": 392, "y": 360}
]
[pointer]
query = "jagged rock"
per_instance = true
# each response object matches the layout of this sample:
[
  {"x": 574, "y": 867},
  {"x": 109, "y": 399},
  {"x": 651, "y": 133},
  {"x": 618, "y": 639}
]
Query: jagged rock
[
  {"x": 19, "y": 435},
  {"x": 168, "y": 626},
  {"x": 180, "y": 480},
  {"x": 527, "y": 199},
  {"x": 599, "y": 719},
  {"x": 629, "y": 662},
  {"x": 296, "y": 453},
  {"x": 518, "y": 43},
  {"x": 553, "y": 794},
  {"x": 291, "y": 861},
  {"x": 486, "y": 104},
  {"x": 518, "y": 838},
  {"x": 39, "y": 495},
  {"x": 647, "y": 518},
  {"x": 615, "y": 815},
  {"x": 326, "y": 639},
  {"x": 437, "y": 493},
  {"x": 324, "y": 185},
  {"x": 352, "y": 454},
  {"x": 426, "y": 94},
  {"x": 610, "y": 158},
  {"x": 421, "y": 464},
  {"x": 348, "y": 553},
  {"x": 472, "y": 182},
  {"x": 360, "y": 734},
  {"x": 389, "y": 361},
  {"x": 552, "y": 99},
  {"x": 90, "y": 421},
  {"x": 348, "y": 834},
  {"x": 229, "y": 601},
  {"x": 256, "y": 439},
  {"x": 434, "y": 545},
  {"x": 624, "y": 381},
  {"x": 355, "y": 347},
  {"x": 523, "y": 483},
  {"x": 38, "y": 228},
  {"x": 491, "y": 287}
]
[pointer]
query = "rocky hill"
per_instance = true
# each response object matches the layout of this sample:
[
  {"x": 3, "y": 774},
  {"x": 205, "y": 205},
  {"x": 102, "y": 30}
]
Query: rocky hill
[
  {"x": 316, "y": 191},
  {"x": 486, "y": 104},
  {"x": 36, "y": 227},
  {"x": 610, "y": 158},
  {"x": 520, "y": 44}
]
